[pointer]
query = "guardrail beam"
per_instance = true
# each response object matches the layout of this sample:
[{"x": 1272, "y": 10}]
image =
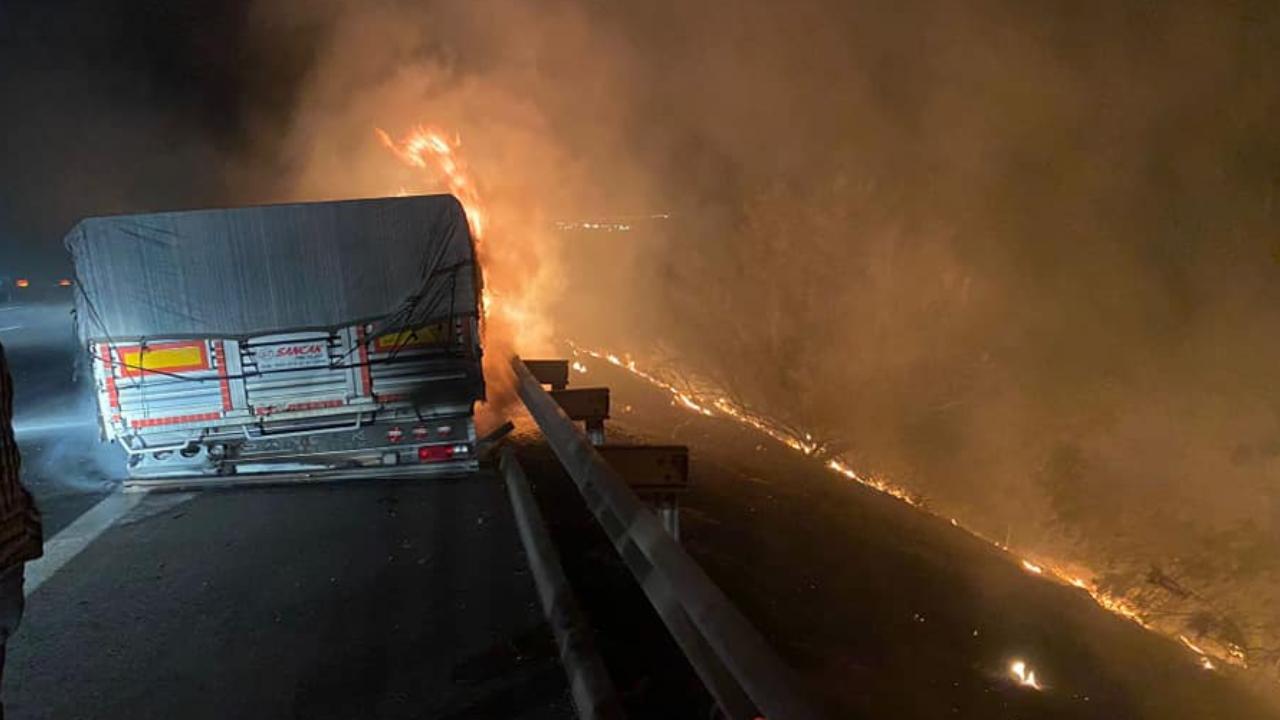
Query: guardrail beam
[{"x": 733, "y": 660}]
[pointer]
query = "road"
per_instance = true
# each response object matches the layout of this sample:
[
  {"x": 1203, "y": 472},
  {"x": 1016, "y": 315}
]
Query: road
[{"x": 358, "y": 600}]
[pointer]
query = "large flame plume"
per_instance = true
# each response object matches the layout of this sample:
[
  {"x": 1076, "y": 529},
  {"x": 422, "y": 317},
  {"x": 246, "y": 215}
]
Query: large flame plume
[{"x": 512, "y": 319}]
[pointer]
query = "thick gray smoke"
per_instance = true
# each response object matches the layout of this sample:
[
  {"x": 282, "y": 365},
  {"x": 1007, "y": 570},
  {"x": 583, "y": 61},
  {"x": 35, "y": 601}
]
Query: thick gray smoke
[
  {"x": 1023, "y": 262},
  {"x": 1021, "y": 259}
]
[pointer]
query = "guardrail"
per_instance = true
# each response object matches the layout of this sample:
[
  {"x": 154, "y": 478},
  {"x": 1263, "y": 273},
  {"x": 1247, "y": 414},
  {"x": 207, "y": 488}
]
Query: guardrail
[
  {"x": 732, "y": 659},
  {"x": 593, "y": 693}
]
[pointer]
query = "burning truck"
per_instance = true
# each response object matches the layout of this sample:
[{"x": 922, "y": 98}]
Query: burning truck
[{"x": 314, "y": 337}]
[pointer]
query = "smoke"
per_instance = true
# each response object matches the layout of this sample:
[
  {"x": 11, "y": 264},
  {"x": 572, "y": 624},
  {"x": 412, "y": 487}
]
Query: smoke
[
  {"x": 1022, "y": 262},
  {"x": 1021, "y": 258}
]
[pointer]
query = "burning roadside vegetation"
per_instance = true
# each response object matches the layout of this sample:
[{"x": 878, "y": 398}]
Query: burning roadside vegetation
[{"x": 1135, "y": 587}]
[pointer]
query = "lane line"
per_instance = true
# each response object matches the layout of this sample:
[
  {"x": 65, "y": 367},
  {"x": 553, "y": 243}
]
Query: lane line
[
  {"x": 61, "y": 548},
  {"x": 11, "y": 327},
  {"x": 21, "y": 429}
]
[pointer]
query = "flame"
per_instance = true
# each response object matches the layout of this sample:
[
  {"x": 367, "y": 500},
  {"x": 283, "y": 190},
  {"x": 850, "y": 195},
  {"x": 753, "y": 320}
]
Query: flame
[
  {"x": 711, "y": 402},
  {"x": 1205, "y": 662},
  {"x": 510, "y": 274},
  {"x": 426, "y": 147},
  {"x": 1192, "y": 646},
  {"x": 1025, "y": 676}
]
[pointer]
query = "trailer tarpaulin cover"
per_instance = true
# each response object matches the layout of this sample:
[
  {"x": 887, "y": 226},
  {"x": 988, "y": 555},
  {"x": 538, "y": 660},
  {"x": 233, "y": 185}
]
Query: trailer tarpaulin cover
[{"x": 255, "y": 270}]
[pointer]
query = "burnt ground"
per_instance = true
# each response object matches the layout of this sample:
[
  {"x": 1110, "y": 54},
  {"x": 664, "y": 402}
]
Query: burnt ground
[{"x": 884, "y": 611}]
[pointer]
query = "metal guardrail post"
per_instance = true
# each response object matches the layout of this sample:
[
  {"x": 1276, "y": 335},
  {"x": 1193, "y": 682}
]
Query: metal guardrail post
[
  {"x": 735, "y": 663},
  {"x": 659, "y": 475},
  {"x": 590, "y": 405},
  {"x": 550, "y": 372}
]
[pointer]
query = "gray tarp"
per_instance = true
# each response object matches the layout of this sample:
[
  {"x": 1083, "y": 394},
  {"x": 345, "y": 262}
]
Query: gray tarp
[{"x": 249, "y": 271}]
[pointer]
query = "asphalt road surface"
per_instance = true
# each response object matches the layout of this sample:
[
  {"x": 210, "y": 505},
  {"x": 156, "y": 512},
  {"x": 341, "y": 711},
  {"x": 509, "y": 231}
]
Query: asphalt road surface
[{"x": 368, "y": 599}]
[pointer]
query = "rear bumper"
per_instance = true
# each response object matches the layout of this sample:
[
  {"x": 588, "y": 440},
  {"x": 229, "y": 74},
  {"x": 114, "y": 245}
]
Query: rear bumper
[
  {"x": 177, "y": 483},
  {"x": 434, "y": 445}
]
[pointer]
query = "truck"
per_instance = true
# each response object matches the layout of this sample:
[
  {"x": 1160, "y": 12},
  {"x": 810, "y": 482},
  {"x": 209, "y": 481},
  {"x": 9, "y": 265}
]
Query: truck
[{"x": 322, "y": 337}]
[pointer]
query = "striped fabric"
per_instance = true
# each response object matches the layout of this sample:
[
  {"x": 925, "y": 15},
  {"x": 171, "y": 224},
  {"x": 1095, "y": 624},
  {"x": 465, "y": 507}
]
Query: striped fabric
[{"x": 19, "y": 520}]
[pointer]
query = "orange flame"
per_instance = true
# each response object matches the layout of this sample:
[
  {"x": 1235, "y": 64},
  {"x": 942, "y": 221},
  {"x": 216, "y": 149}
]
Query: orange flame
[
  {"x": 427, "y": 147},
  {"x": 512, "y": 295},
  {"x": 1025, "y": 676}
]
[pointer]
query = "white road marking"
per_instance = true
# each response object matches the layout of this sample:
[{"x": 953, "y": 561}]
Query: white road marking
[
  {"x": 11, "y": 327},
  {"x": 59, "y": 549},
  {"x": 74, "y": 423}
]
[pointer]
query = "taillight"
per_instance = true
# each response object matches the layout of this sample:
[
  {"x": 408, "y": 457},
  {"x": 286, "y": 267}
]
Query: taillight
[
  {"x": 420, "y": 433},
  {"x": 64, "y": 283},
  {"x": 435, "y": 453},
  {"x": 22, "y": 282},
  {"x": 395, "y": 435}
]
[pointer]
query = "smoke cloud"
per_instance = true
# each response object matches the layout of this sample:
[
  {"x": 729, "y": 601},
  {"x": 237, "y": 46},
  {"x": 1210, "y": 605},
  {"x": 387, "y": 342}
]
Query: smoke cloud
[
  {"x": 1022, "y": 261},
  {"x": 1019, "y": 258}
]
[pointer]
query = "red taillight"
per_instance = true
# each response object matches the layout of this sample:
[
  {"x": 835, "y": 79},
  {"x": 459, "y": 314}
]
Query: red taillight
[
  {"x": 22, "y": 282},
  {"x": 64, "y": 283},
  {"x": 420, "y": 433},
  {"x": 395, "y": 435},
  {"x": 435, "y": 453}
]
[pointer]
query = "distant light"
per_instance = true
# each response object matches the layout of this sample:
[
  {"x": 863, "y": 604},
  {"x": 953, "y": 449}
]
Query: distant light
[
  {"x": 64, "y": 283},
  {"x": 22, "y": 282}
]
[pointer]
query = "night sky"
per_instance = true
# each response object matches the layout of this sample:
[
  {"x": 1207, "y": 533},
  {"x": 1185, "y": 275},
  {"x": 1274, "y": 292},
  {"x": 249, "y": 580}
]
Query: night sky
[{"x": 115, "y": 107}]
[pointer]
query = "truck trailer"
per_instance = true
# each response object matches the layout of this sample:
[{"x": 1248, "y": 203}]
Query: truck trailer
[{"x": 295, "y": 338}]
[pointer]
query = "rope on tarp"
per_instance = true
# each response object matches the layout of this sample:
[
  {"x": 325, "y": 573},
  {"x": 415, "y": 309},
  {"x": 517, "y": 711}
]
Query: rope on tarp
[{"x": 400, "y": 322}]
